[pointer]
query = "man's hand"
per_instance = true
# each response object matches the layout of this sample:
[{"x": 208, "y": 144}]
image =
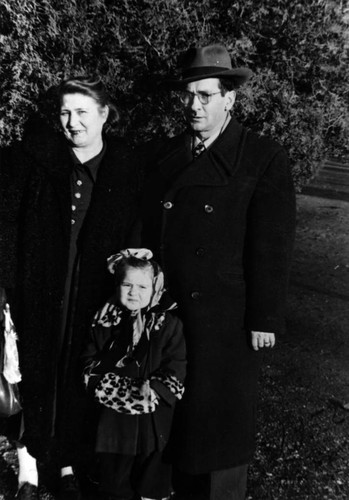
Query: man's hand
[{"x": 262, "y": 339}]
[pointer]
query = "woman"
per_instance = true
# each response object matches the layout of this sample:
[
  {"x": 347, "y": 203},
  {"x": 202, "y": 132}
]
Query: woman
[{"x": 76, "y": 195}]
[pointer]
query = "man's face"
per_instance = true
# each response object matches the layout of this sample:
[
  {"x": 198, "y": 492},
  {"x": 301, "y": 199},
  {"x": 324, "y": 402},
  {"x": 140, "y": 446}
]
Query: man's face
[{"x": 206, "y": 119}]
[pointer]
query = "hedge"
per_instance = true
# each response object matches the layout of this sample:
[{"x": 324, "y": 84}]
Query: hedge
[{"x": 297, "y": 50}]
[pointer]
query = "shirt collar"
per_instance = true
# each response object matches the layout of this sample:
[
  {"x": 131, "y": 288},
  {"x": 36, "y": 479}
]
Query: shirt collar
[
  {"x": 91, "y": 165},
  {"x": 210, "y": 140}
]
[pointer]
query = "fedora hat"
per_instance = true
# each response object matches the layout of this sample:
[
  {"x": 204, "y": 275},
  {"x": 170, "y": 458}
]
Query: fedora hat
[{"x": 212, "y": 61}]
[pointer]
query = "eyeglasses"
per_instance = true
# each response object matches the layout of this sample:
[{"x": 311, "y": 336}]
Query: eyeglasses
[{"x": 186, "y": 97}]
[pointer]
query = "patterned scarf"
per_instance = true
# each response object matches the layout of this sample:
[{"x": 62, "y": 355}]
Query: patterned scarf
[{"x": 144, "y": 320}]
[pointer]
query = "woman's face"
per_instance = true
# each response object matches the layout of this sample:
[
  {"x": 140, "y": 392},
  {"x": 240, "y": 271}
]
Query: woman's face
[{"x": 82, "y": 119}]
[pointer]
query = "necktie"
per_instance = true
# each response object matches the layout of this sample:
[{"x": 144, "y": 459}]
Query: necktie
[{"x": 199, "y": 149}]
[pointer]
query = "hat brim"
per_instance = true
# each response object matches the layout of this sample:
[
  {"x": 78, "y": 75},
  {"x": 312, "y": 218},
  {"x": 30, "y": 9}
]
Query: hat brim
[{"x": 238, "y": 75}]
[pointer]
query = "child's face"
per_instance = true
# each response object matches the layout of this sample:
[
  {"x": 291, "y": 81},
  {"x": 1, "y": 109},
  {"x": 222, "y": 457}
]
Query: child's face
[{"x": 135, "y": 290}]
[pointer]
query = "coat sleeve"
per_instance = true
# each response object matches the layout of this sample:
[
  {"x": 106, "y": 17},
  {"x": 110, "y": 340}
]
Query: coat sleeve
[
  {"x": 168, "y": 379},
  {"x": 15, "y": 168},
  {"x": 91, "y": 357},
  {"x": 97, "y": 358},
  {"x": 269, "y": 241}
]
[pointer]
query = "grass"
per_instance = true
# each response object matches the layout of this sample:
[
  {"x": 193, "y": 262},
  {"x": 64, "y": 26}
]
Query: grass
[{"x": 303, "y": 426}]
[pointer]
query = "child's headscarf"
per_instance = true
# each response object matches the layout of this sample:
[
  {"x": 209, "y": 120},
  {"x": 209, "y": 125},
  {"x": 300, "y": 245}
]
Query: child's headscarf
[{"x": 144, "y": 320}]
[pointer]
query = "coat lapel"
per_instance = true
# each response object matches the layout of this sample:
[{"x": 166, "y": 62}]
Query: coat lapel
[
  {"x": 51, "y": 157},
  {"x": 212, "y": 168},
  {"x": 109, "y": 181},
  {"x": 60, "y": 168},
  {"x": 114, "y": 188},
  {"x": 176, "y": 157}
]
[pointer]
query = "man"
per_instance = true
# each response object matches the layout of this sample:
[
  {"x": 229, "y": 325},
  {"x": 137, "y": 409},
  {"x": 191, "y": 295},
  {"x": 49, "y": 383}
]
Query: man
[{"x": 219, "y": 214}]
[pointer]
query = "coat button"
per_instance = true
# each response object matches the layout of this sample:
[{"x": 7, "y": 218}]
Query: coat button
[
  {"x": 168, "y": 205},
  {"x": 195, "y": 295},
  {"x": 200, "y": 252},
  {"x": 208, "y": 209}
]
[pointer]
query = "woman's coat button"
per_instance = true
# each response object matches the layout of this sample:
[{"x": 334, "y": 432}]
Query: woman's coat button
[
  {"x": 195, "y": 295},
  {"x": 208, "y": 209},
  {"x": 168, "y": 205}
]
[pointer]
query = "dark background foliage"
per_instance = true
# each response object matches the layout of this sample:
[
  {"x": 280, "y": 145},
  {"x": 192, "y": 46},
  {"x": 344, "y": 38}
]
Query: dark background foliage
[{"x": 297, "y": 50}]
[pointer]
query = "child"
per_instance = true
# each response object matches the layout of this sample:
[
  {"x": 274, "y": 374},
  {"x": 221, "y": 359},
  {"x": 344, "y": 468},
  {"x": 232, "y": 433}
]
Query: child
[{"x": 134, "y": 366}]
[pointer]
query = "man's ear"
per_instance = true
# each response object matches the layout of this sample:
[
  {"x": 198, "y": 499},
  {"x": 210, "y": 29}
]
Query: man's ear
[{"x": 230, "y": 100}]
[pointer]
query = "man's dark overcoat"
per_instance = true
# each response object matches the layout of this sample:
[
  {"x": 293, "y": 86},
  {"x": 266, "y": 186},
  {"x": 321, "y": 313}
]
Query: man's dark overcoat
[
  {"x": 37, "y": 201},
  {"x": 222, "y": 227}
]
